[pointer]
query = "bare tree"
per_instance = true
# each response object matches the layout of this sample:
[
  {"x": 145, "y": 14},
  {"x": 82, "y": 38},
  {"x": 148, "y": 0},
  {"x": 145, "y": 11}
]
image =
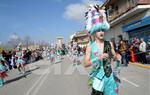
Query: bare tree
[
  {"x": 27, "y": 41},
  {"x": 14, "y": 40}
]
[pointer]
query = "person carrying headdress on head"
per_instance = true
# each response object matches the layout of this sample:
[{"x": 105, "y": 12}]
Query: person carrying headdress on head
[
  {"x": 99, "y": 54},
  {"x": 19, "y": 59}
]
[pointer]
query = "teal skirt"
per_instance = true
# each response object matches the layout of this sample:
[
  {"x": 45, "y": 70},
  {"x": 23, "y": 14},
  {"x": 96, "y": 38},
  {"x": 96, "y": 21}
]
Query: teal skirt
[{"x": 20, "y": 61}]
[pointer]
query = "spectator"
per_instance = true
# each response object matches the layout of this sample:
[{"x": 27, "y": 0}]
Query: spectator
[
  {"x": 142, "y": 49},
  {"x": 122, "y": 50},
  {"x": 132, "y": 53}
]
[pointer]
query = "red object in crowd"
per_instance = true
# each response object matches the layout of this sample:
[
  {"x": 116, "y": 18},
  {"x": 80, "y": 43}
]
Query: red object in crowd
[
  {"x": 3, "y": 74},
  {"x": 132, "y": 54}
]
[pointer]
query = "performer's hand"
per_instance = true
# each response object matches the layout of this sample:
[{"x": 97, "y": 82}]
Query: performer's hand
[
  {"x": 118, "y": 57},
  {"x": 103, "y": 56}
]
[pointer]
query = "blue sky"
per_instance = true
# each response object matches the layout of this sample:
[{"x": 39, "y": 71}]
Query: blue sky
[{"x": 41, "y": 19}]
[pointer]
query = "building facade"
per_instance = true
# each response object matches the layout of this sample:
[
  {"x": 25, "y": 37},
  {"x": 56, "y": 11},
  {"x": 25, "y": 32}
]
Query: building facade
[
  {"x": 81, "y": 38},
  {"x": 60, "y": 41},
  {"x": 128, "y": 18}
]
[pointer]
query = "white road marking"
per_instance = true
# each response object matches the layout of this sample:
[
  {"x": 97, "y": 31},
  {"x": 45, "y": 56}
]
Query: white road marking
[
  {"x": 130, "y": 82},
  {"x": 36, "y": 83},
  {"x": 41, "y": 82}
]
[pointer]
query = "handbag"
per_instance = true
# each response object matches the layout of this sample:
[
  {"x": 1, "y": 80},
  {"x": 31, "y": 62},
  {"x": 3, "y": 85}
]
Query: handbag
[{"x": 98, "y": 84}]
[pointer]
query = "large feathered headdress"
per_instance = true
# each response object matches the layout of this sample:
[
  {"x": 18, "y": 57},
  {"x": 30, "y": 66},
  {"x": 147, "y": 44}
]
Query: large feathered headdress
[{"x": 96, "y": 19}]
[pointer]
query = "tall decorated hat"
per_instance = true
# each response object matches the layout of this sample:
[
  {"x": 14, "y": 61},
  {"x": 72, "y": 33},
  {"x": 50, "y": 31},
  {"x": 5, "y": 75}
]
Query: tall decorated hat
[{"x": 96, "y": 19}]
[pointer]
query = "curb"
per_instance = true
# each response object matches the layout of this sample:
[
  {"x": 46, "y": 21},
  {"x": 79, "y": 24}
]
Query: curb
[{"x": 140, "y": 65}]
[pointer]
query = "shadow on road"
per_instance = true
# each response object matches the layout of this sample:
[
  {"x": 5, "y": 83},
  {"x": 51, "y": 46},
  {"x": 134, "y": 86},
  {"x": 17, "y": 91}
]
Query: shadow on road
[
  {"x": 22, "y": 76},
  {"x": 29, "y": 71}
]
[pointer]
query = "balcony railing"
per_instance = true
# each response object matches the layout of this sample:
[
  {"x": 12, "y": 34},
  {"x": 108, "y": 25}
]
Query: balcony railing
[
  {"x": 125, "y": 8},
  {"x": 84, "y": 41},
  {"x": 142, "y": 1}
]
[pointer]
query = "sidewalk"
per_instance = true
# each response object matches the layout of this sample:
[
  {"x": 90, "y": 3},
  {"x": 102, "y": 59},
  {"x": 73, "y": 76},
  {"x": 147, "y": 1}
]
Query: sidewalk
[{"x": 147, "y": 66}]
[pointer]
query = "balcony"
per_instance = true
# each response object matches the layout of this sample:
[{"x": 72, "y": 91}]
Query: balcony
[
  {"x": 126, "y": 10},
  {"x": 83, "y": 42},
  {"x": 80, "y": 34}
]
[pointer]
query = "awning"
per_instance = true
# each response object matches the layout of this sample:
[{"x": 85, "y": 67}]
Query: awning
[{"x": 136, "y": 24}]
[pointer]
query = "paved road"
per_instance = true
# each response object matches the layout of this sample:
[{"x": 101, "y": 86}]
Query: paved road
[
  {"x": 64, "y": 78},
  {"x": 135, "y": 81}
]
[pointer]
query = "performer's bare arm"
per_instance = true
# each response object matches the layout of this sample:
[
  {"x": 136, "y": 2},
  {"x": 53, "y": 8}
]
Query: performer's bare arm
[
  {"x": 113, "y": 50},
  {"x": 87, "y": 60},
  {"x": 116, "y": 56}
]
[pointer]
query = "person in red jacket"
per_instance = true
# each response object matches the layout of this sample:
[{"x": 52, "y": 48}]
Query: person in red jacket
[{"x": 132, "y": 53}]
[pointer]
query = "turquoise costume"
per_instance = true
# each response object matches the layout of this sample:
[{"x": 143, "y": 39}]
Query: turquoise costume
[
  {"x": 58, "y": 52},
  {"x": 2, "y": 67},
  {"x": 52, "y": 57},
  {"x": 58, "y": 58},
  {"x": 19, "y": 56},
  {"x": 101, "y": 77},
  {"x": 100, "y": 81},
  {"x": 2, "y": 71}
]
